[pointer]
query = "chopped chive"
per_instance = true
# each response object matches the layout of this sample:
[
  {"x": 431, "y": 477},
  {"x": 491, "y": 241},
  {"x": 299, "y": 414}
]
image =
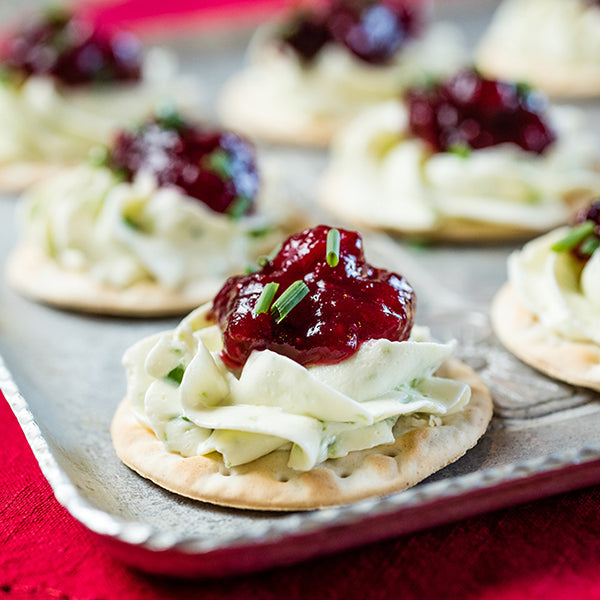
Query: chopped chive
[
  {"x": 333, "y": 247},
  {"x": 98, "y": 156},
  {"x": 220, "y": 163},
  {"x": 263, "y": 261},
  {"x": 460, "y": 149},
  {"x": 176, "y": 375},
  {"x": 186, "y": 419},
  {"x": 169, "y": 118},
  {"x": 250, "y": 269},
  {"x": 263, "y": 304},
  {"x": 590, "y": 245},
  {"x": 289, "y": 300},
  {"x": 575, "y": 236},
  {"x": 239, "y": 207}
]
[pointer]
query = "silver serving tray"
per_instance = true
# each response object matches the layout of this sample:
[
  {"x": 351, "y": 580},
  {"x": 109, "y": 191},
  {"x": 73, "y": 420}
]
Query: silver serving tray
[{"x": 61, "y": 374}]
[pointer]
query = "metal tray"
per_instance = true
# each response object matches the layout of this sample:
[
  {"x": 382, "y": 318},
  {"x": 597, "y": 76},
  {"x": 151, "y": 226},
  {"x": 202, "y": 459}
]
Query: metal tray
[{"x": 62, "y": 376}]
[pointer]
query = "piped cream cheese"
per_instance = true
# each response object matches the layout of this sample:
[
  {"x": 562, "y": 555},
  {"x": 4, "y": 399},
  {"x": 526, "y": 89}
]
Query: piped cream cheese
[
  {"x": 388, "y": 178},
  {"x": 336, "y": 84},
  {"x": 560, "y": 290},
  {"x": 567, "y": 32},
  {"x": 274, "y": 404},
  {"x": 122, "y": 233},
  {"x": 43, "y": 121}
]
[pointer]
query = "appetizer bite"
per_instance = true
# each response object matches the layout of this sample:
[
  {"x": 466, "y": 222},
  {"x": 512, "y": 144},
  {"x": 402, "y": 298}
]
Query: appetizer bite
[
  {"x": 312, "y": 72},
  {"x": 304, "y": 384},
  {"x": 66, "y": 85},
  {"x": 555, "y": 44},
  {"x": 548, "y": 314},
  {"x": 466, "y": 158},
  {"x": 169, "y": 211}
]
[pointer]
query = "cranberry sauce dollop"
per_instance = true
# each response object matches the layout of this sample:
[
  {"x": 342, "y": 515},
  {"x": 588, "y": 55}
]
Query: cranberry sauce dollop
[
  {"x": 373, "y": 30},
  {"x": 216, "y": 167},
  {"x": 73, "y": 51},
  {"x": 470, "y": 110},
  {"x": 345, "y": 305}
]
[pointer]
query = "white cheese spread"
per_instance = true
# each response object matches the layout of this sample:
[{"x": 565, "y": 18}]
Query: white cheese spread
[
  {"x": 44, "y": 121},
  {"x": 120, "y": 233},
  {"x": 388, "y": 178},
  {"x": 181, "y": 389},
  {"x": 561, "y": 291}
]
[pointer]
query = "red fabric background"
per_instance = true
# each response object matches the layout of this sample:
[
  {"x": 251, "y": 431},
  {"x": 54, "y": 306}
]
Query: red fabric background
[{"x": 547, "y": 549}]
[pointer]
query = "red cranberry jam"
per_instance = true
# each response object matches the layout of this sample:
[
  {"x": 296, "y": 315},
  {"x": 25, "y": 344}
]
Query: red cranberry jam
[
  {"x": 73, "y": 51},
  {"x": 469, "y": 110},
  {"x": 216, "y": 167},
  {"x": 344, "y": 305},
  {"x": 373, "y": 30}
]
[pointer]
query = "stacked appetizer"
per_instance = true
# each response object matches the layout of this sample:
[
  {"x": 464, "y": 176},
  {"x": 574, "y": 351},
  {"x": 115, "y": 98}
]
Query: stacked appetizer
[
  {"x": 310, "y": 73},
  {"x": 465, "y": 158},
  {"x": 66, "y": 84},
  {"x": 549, "y": 312},
  {"x": 552, "y": 43},
  {"x": 303, "y": 384},
  {"x": 169, "y": 211}
]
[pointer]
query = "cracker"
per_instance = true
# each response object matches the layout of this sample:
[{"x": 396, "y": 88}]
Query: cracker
[
  {"x": 577, "y": 363},
  {"x": 269, "y": 484},
  {"x": 34, "y": 274}
]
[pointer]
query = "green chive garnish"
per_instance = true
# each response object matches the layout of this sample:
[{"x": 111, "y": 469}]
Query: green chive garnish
[
  {"x": 460, "y": 149},
  {"x": 590, "y": 245},
  {"x": 169, "y": 118},
  {"x": 176, "y": 375},
  {"x": 220, "y": 163},
  {"x": 263, "y": 304},
  {"x": 289, "y": 300},
  {"x": 239, "y": 207},
  {"x": 333, "y": 247},
  {"x": 263, "y": 261},
  {"x": 574, "y": 237}
]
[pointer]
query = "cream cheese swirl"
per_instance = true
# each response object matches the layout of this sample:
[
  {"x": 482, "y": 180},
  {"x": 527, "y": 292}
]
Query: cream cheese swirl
[
  {"x": 413, "y": 189},
  {"x": 561, "y": 291},
  {"x": 180, "y": 388},
  {"x": 43, "y": 121},
  {"x": 121, "y": 233}
]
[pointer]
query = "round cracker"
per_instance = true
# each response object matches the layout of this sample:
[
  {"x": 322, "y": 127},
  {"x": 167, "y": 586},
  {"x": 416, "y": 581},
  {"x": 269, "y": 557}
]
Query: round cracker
[
  {"x": 560, "y": 81},
  {"x": 241, "y": 107},
  {"x": 331, "y": 197},
  {"x": 269, "y": 484},
  {"x": 577, "y": 363},
  {"x": 34, "y": 274}
]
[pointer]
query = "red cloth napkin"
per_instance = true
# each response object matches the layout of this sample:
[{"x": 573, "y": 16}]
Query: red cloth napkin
[{"x": 548, "y": 549}]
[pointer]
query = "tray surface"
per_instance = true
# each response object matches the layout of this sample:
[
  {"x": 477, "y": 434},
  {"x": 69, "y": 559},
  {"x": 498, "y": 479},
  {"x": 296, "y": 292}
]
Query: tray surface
[{"x": 62, "y": 375}]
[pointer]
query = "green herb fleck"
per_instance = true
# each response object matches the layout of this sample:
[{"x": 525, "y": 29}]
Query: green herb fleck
[
  {"x": 168, "y": 117},
  {"x": 575, "y": 236},
  {"x": 185, "y": 419},
  {"x": 289, "y": 300},
  {"x": 333, "y": 247},
  {"x": 239, "y": 207},
  {"x": 589, "y": 245},
  {"x": 460, "y": 149},
  {"x": 99, "y": 156},
  {"x": 176, "y": 375},
  {"x": 263, "y": 261},
  {"x": 220, "y": 163},
  {"x": 263, "y": 304}
]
